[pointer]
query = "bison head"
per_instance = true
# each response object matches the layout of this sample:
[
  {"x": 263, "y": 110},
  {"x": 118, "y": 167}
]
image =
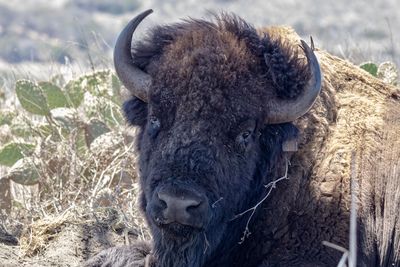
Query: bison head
[{"x": 214, "y": 102}]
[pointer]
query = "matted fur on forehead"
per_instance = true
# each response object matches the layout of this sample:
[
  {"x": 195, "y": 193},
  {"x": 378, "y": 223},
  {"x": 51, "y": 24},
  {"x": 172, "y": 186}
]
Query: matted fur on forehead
[
  {"x": 218, "y": 49},
  {"x": 224, "y": 26}
]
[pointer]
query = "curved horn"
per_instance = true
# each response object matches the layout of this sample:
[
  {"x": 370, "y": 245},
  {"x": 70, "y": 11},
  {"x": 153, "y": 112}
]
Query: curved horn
[
  {"x": 133, "y": 78},
  {"x": 289, "y": 110}
]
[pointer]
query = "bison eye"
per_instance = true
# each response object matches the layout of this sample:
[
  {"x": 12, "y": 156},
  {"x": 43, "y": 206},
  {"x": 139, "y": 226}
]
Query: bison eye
[
  {"x": 245, "y": 138},
  {"x": 154, "y": 126},
  {"x": 246, "y": 135}
]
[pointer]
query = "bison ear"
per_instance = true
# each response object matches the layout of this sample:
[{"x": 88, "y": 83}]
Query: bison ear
[
  {"x": 285, "y": 66},
  {"x": 135, "y": 111},
  {"x": 274, "y": 137}
]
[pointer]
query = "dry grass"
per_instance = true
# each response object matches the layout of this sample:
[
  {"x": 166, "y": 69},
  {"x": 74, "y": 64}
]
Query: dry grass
[
  {"x": 105, "y": 182},
  {"x": 94, "y": 186},
  {"x": 37, "y": 235}
]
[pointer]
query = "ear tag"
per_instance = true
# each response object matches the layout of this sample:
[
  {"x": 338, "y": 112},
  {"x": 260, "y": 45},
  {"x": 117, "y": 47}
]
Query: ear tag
[{"x": 290, "y": 145}]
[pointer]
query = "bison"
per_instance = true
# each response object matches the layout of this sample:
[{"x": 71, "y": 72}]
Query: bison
[{"x": 247, "y": 154}]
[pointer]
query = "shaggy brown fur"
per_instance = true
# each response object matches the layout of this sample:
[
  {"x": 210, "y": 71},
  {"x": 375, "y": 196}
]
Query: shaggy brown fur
[{"x": 354, "y": 113}]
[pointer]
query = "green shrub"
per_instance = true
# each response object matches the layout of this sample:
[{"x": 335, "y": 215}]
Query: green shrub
[
  {"x": 53, "y": 135},
  {"x": 386, "y": 71}
]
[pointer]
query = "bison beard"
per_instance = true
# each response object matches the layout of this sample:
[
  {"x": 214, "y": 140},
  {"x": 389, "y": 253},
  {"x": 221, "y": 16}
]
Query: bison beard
[{"x": 171, "y": 252}]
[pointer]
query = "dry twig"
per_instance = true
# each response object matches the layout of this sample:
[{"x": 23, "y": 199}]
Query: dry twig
[{"x": 253, "y": 209}]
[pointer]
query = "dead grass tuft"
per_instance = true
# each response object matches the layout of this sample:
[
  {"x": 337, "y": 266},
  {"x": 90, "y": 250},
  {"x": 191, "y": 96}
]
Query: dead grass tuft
[{"x": 37, "y": 235}]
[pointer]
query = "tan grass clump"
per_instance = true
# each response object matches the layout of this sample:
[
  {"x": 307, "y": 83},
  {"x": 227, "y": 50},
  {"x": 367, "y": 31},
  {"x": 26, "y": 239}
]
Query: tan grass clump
[{"x": 37, "y": 235}]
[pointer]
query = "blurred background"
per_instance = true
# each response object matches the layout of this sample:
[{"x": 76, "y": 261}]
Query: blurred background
[{"x": 40, "y": 37}]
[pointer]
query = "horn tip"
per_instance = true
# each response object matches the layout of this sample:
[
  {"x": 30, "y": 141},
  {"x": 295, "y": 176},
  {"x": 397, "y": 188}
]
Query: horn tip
[
  {"x": 149, "y": 11},
  {"x": 312, "y": 43}
]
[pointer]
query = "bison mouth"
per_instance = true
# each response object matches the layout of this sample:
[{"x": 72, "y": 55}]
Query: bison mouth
[{"x": 179, "y": 231}]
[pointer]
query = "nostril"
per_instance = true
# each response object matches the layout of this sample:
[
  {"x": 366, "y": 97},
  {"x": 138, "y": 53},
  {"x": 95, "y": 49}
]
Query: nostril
[
  {"x": 162, "y": 202},
  {"x": 193, "y": 207},
  {"x": 188, "y": 203}
]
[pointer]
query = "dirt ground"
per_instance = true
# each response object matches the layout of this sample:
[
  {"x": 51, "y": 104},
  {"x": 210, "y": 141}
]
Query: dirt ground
[{"x": 70, "y": 247}]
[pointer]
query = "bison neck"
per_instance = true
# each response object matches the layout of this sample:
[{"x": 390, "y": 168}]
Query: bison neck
[
  {"x": 248, "y": 238},
  {"x": 281, "y": 226}
]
